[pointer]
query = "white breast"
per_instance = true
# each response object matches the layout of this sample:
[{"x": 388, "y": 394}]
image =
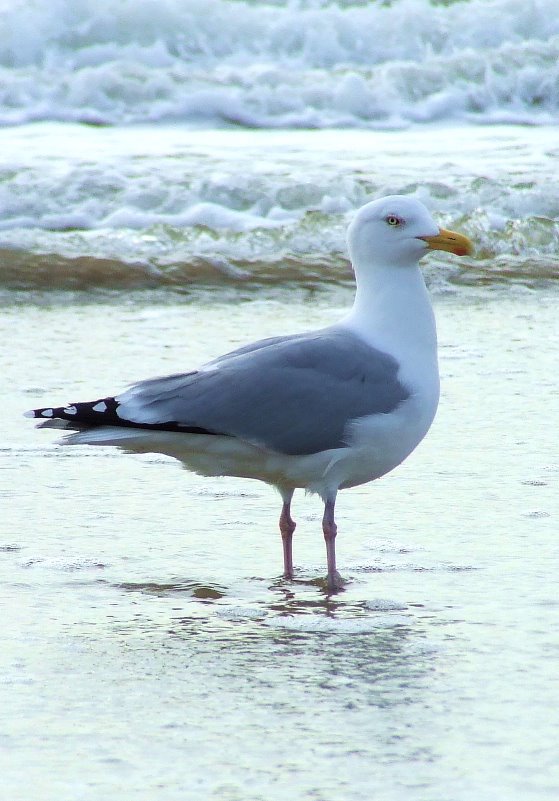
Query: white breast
[{"x": 394, "y": 316}]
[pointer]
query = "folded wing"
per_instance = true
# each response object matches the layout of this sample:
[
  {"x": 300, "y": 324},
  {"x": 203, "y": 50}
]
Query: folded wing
[{"x": 294, "y": 395}]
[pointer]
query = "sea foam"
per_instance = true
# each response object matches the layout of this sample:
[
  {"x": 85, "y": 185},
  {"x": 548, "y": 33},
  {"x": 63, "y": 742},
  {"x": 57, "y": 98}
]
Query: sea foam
[
  {"x": 292, "y": 64},
  {"x": 153, "y": 205}
]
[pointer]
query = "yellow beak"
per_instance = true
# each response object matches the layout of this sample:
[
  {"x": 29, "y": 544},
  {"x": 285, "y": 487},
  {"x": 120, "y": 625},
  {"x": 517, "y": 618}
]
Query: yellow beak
[{"x": 450, "y": 241}]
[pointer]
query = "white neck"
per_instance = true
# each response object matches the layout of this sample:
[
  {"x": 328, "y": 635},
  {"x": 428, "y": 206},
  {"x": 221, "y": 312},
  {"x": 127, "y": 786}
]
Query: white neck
[{"x": 392, "y": 310}]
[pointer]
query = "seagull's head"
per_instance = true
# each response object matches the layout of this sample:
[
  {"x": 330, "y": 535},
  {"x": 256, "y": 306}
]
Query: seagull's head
[{"x": 397, "y": 231}]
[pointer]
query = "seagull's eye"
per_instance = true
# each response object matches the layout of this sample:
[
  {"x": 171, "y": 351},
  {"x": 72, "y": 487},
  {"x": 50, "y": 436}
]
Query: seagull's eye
[{"x": 393, "y": 220}]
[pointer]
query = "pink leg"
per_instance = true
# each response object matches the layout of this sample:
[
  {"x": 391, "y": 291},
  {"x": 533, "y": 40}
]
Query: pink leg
[
  {"x": 335, "y": 581},
  {"x": 287, "y": 527}
]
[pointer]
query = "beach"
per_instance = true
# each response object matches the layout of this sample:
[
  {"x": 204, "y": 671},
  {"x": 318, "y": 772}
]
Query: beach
[{"x": 165, "y": 200}]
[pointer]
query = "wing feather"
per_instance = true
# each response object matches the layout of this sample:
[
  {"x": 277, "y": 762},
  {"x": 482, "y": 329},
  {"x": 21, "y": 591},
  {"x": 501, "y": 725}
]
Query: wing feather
[{"x": 295, "y": 395}]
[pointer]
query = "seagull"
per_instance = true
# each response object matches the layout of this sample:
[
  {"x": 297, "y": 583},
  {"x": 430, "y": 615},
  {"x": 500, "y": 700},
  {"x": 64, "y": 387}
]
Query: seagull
[{"x": 323, "y": 410}]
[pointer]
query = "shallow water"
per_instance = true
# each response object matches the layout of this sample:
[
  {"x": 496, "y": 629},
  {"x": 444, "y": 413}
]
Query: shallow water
[{"x": 151, "y": 649}]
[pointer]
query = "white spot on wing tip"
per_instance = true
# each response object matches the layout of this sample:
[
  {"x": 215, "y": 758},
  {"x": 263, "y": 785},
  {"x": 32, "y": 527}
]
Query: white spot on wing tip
[
  {"x": 29, "y": 414},
  {"x": 47, "y": 413},
  {"x": 99, "y": 407},
  {"x": 70, "y": 410}
]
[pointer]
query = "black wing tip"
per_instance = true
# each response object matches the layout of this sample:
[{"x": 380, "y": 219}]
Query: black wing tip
[
  {"x": 95, "y": 412},
  {"x": 103, "y": 412},
  {"x": 47, "y": 413}
]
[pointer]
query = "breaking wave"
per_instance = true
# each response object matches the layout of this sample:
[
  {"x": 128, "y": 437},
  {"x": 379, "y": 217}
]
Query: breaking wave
[{"x": 280, "y": 64}]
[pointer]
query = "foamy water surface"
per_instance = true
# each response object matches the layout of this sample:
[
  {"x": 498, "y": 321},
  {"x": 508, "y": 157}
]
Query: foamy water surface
[
  {"x": 161, "y": 205},
  {"x": 296, "y": 63}
]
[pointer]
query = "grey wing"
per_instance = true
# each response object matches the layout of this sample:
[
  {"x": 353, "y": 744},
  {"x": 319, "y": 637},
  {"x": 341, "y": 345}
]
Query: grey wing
[{"x": 295, "y": 395}]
